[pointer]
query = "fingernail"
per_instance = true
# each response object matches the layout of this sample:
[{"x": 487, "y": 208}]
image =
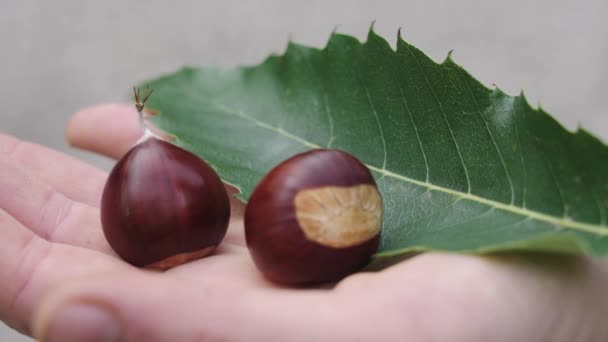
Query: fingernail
[{"x": 82, "y": 322}]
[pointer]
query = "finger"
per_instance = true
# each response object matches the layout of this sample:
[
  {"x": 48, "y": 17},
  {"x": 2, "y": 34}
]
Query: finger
[
  {"x": 236, "y": 229},
  {"x": 18, "y": 247},
  {"x": 55, "y": 168},
  {"x": 155, "y": 308},
  {"x": 109, "y": 129},
  {"x": 499, "y": 298},
  {"x": 30, "y": 266},
  {"x": 230, "y": 264},
  {"x": 48, "y": 213}
]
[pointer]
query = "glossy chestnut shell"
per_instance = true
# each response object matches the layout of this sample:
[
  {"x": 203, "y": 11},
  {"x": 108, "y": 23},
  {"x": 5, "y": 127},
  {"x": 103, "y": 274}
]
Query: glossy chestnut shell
[
  {"x": 163, "y": 206},
  {"x": 314, "y": 218}
]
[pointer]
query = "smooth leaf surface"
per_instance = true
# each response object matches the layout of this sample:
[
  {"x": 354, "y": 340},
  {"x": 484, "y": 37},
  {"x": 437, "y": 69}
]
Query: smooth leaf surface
[{"x": 461, "y": 167}]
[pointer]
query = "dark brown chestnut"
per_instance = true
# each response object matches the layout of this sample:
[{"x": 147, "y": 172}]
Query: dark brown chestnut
[
  {"x": 314, "y": 218},
  {"x": 162, "y": 205}
]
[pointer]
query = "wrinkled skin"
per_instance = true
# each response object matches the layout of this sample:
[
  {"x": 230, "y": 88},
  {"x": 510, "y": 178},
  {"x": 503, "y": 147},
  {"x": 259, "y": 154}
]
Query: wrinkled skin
[{"x": 53, "y": 253}]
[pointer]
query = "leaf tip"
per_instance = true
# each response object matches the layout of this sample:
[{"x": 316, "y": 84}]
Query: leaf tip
[
  {"x": 187, "y": 69},
  {"x": 371, "y": 33},
  {"x": 497, "y": 91},
  {"x": 522, "y": 96},
  {"x": 399, "y": 37},
  {"x": 539, "y": 105},
  {"x": 448, "y": 58},
  {"x": 334, "y": 33},
  {"x": 335, "y": 30}
]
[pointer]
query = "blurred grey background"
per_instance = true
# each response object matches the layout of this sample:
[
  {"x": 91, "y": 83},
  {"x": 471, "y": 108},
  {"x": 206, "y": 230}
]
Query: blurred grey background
[{"x": 59, "y": 56}]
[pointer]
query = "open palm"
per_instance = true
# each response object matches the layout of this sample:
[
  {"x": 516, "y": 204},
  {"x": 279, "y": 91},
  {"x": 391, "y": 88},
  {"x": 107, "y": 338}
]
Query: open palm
[{"x": 60, "y": 279}]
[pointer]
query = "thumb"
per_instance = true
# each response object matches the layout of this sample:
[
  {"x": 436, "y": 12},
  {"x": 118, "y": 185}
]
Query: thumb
[{"x": 154, "y": 307}]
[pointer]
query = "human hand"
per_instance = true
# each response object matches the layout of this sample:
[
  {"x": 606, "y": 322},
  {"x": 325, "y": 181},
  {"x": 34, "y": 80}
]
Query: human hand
[{"x": 62, "y": 282}]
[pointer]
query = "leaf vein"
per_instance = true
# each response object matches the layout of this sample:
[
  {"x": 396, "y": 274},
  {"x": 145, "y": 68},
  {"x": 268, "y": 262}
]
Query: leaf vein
[
  {"x": 428, "y": 83},
  {"x": 381, "y": 131},
  {"x": 407, "y": 107},
  {"x": 487, "y": 126},
  {"x": 521, "y": 156},
  {"x": 601, "y": 230},
  {"x": 327, "y": 107}
]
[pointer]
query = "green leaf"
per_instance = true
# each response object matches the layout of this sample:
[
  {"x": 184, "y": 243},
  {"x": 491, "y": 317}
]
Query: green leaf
[{"x": 461, "y": 167}]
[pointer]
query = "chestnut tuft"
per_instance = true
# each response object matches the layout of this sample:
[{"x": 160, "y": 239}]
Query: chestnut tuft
[
  {"x": 314, "y": 218},
  {"x": 163, "y": 206}
]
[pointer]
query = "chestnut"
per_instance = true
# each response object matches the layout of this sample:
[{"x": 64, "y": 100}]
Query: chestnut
[
  {"x": 314, "y": 218},
  {"x": 162, "y": 205}
]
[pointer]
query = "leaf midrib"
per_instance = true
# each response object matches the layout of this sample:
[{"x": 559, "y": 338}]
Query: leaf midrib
[{"x": 601, "y": 230}]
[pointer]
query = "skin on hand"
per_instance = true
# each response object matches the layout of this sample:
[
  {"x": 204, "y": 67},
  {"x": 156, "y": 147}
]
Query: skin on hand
[{"x": 65, "y": 282}]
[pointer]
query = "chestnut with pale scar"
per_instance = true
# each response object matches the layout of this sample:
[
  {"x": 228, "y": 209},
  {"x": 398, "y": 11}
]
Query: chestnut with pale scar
[
  {"x": 339, "y": 216},
  {"x": 314, "y": 218}
]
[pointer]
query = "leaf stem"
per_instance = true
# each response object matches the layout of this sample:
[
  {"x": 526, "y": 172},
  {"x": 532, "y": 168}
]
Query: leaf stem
[{"x": 139, "y": 105}]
